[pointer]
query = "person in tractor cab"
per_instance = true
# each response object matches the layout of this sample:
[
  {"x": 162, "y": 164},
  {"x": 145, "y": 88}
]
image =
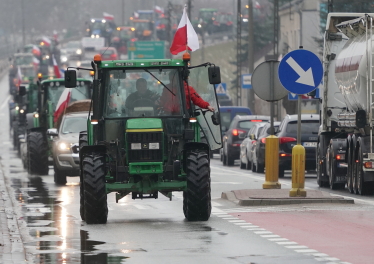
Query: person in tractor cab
[
  {"x": 169, "y": 100},
  {"x": 142, "y": 97}
]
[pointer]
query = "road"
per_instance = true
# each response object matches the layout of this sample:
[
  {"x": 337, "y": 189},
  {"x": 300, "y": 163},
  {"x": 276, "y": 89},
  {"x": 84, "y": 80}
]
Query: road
[{"x": 154, "y": 230}]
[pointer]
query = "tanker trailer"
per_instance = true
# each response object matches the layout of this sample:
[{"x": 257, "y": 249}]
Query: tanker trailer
[{"x": 345, "y": 141}]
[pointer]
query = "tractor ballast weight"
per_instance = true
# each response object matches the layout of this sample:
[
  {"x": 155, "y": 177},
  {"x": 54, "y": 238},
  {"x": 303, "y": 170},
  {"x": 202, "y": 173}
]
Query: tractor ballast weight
[{"x": 150, "y": 142}]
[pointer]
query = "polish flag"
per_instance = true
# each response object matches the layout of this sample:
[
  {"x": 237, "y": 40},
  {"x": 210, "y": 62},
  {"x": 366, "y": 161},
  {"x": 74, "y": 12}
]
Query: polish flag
[
  {"x": 185, "y": 37},
  {"x": 35, "y": 50},
  {"x": 136, "y": 14},
  {"x": 257, "y": 5},
  {"x": 159, "y": 10},
  {"x": 108, "y": 16},
  {"x": 19, "y": 76},
  {"x": 46, "y": 41},
  {"x": 62, "y": 103},
  {"x": 55, "y": 68}
]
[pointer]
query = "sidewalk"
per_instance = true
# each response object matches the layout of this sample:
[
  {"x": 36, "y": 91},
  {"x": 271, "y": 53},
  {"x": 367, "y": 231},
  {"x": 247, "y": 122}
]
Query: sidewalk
[{"x": 252, "y": 197}]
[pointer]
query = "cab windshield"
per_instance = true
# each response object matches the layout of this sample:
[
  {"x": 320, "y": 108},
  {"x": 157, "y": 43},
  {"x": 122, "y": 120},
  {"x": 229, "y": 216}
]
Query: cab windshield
[
  {"x": 55, "y": 89},
  {"x": 141, "y": 93}
]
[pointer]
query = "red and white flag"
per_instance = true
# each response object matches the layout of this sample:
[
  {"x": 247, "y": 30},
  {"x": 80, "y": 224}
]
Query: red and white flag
[
  {"x": 35, "y": 50},
  {"x": 46, "y": 41},
  {"x": 55, "y": 68},
  {"x": 62, "y": 103},
  {"x": 108, "y": 16},
  {"x": 159, "y": 10},
  {"x": 185, "y": 37},
  {"x": 19, "y": 76}
]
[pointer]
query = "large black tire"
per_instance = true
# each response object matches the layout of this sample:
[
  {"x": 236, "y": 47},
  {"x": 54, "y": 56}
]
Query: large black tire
[
  {"x": 230, "y": 160},
  {"x": 59, "y": 176},
  {"x": 254, "y": 167},
  {"x": 15, "y": 135},
  {"x": 248, "y": 165},
  {"x": 319, "y": 168},
  {"x": 332, "y": 179},
  {"x": 83, "y": 141},
  {"x": 350, "y": 172},
  {"x": 260, "y": 167},
  {"x": 363, "y": 188},
  {"x": 37, "y": 152},
  {"x": 95, "y": 197},
  {"x": 197, "y": 199}
]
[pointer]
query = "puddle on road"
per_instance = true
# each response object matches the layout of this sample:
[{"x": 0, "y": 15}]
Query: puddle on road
[{"x": 56, "y": 237}]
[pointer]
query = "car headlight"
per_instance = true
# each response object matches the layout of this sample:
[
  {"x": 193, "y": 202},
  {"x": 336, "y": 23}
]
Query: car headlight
[
  {"x": 79, "y": 51},
  {"x": 64, "y": 59},
  {"x": 63, "y": 146}
]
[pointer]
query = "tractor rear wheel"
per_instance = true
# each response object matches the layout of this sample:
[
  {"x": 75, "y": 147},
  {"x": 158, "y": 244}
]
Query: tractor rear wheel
[
  {"x": 37, "y": 151},
  {"x": 82, "y": 142},
  {"x": 95, "y": 197},
  {"x": 197, "y": 199}
]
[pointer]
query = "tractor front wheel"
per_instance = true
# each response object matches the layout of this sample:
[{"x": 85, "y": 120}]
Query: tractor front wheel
[
  {"x": 37, "y": 151},
  {"x": 197, "y": 199},
  {"x": 95, "y": 197}
]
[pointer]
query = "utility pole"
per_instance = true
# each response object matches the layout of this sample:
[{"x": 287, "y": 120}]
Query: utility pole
[
  {"x": 123, "y": 12},
  {"x": 276, "y": 104},
  {"x": 250, "y": 92},
  {"x": 238, "y": 54},
  {"x": 189, "y": 9},
  {"x": 23, "y": 23}
]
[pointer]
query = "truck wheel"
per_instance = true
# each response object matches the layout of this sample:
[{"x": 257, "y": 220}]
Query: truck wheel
[
  {"x": 349, "y": 172},
  {"x": 248, "y": 165},
  {"x": 281, "y": 172},
  {"x": 197, "y": 200},
  {"x": 95, "y": 197},
  {"x": 362, "y": 186},
  {"x": 319, "y": 166},
  {"x": 37, "y": 152},
  {"x": 242, "y": 165},
  {"x": 230, "y": 160},
  {"x": 260, "y": 168},
  {"x": 254, "y": 167},
  {"x": 59, "y": 176},
  {"x": 82, "y": 142},
  {"x": 333, "y": 184}
]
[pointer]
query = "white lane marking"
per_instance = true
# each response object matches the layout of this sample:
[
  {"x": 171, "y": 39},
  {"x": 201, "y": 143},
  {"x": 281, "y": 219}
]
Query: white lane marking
[
  {"x": 278, "y": 239},
  {"x": 230, "y": 218},
  {"x": 5, "y": 102},
  {"x": 295, "y": 247},
  {"x": 270, "y": 236},
  {"x": 256, "y": 229},
  {"x": 245, "y": 223},
  {"x": 237, "y": 221},
  {"x": 215, "y": 204},
  {"x": 226, "y": 182},
  {"x": 286, "y": 243},
  {"x": 262, "y": 232},
  {"x": 141, "y": 207},
  {"x": 306, "y": 250}
]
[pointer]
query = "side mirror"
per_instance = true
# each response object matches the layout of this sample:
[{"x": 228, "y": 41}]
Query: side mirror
[
  {"x": 52, "y": 132},
  {"x": 214, "y": 75},
  {"x": 215, "y": 118},
  {"x": 22, "y": 91},
  {"x": 70, "y": 79}
]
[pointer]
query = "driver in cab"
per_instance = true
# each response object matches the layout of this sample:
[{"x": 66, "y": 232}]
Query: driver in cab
[{"x": 142, "y": 97}]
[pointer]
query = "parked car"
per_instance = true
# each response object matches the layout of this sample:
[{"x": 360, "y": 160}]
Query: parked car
[
  {"x": 287, "y": 134},
  {"x": 258, "y": 155},
  {"x": 108, "y": 53},
  {"x": 74, "y": 50},
  {"x": 65, "y": 162},
  {"x": 248, "y": 144},
  {"x": 234, "y": 136}
]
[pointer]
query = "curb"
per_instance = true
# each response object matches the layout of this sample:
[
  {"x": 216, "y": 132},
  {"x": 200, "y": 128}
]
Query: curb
[
  {"x": 261, "y": 197},
  {"x": 11, "y": 248}
]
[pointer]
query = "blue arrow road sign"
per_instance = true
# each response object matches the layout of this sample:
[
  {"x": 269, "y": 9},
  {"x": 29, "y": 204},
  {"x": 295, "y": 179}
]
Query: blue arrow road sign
[
  {"x": 300, "y": 71},
  {"x": 221, "y": 88}
]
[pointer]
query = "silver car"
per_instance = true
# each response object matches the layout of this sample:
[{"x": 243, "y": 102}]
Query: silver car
[{"x": 65, "y": 162}]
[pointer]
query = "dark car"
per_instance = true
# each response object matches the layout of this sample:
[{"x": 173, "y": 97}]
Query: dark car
[
  {"x": 287, "y": 135},
  {"x": 234, "y": 136},
  {"x": 249, "y": 144},
  {"x": 258, "y": 156}
]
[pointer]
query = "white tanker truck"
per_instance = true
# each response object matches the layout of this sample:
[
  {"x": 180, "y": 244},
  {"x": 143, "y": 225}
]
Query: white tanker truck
[{"x": 345, "y": 142}]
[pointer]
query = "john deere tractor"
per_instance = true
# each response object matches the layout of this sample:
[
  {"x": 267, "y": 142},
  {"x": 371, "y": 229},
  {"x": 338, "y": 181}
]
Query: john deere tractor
[
  {"x": 146, "y": 146},
  {"x": 38, "y": 144}
]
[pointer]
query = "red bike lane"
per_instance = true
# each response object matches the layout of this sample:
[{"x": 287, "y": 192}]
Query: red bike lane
[{"x": 344, "y": 234}]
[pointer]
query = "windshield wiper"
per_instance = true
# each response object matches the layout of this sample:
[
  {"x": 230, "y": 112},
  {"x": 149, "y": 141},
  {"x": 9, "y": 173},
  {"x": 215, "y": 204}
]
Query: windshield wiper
[{"x": 159, "y": 81}]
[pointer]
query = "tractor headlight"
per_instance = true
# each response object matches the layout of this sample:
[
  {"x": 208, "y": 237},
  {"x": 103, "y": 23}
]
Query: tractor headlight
[
  {"x": 154, "y": 145},
  {"x": 63, "y": 146},
  {"x": 21, "y": 111},
  {"x": 136, "y": 146}
]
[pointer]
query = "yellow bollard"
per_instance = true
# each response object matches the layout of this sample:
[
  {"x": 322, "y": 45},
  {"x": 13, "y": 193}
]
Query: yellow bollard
[
  {"x": 298, "y": 171},
  {"x": 271, "y": 163}
]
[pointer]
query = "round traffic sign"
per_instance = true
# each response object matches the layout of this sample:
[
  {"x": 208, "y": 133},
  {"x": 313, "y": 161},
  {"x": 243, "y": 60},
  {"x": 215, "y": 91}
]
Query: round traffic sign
[
  {"x": 265, "y": 82},
  {"x": 300, "y": 71}
]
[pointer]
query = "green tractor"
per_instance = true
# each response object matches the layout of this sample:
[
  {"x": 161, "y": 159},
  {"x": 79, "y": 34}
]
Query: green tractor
[
  {"x": 37, "y": 156},
  {"x": 140, "y": 147}
]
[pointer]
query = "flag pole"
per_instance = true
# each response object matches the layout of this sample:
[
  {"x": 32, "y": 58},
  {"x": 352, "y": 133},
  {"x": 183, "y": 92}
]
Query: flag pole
[{"x": 185, "y": 11}]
